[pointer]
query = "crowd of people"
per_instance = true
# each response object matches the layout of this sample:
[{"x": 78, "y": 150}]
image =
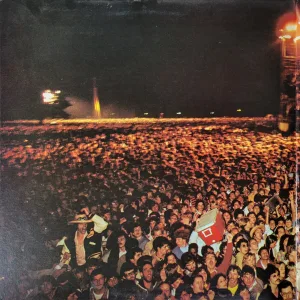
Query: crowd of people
[{"x": 115, "y": 214}]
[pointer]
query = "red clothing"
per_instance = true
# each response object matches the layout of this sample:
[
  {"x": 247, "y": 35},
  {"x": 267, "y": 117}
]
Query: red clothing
[{"x": 223, "y": 267}]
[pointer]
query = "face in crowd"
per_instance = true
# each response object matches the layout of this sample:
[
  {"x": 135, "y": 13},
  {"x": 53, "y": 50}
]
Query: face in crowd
[
  {"x": 147, "y": 272},
  {"x": 82, "y": 228}
]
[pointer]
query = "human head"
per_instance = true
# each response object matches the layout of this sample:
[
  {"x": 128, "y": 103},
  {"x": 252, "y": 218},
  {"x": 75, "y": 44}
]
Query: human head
[
  {"x": 198, "y": 284},
  {"x": 166, "y": 289},
  {"x": 210, "y": 260},
  {"x": 47, "y": 283},
  {"x": 182, "y": 237},
  {"x": 204, "y": 273},
  {"x": 183, "y": 292},
  {"x": 244, "y": 293},
  {"x": 242, "y": 246},
  {"x": 193, "y": 248},
  {"x": 233, "y": 275},
  {"x": 219, "y": 281},
  {"x": 147, "y": 272},
  {"x": 128, "y": 271},
  {"x": 263, "y": 253},
  {"x": 286, "y": 290},
  {"x": 161, "y": 245},
  {"x": 121, "y": 239},
  {"x": 272, "y": 274},
  {"x": 98, "y": 279},
  {"x": 91, "y": 265},
  {"x": 248, "y": 276},
  {"x": 188, "y": 262},
  {"x": 133, "y": 255}
]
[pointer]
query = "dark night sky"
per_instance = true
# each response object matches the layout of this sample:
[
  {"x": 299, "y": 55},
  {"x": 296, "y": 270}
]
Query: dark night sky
[{"x": 192, "y": 58}]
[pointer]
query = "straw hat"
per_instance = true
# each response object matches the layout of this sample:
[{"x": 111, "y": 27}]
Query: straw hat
[
  {"x": 81, "y": 218},
  {"x": 255, "y": 228}
]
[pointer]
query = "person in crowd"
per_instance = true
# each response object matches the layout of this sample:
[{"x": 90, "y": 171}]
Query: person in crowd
[
  {"x": 242, "y": 249},
  {"x": 198, "y": 286},
  {"x": 271, "y": 290},
  {"x": 253, "y": 284},
  {"x": 219, "y": 285},
  {"x": 161, "y": 247},
  {"x": 83, "y": 244},
  {"x": 234, "y": 280},
  {"x": 210, "y": 259},
  {"x": 147, "y": 282},
  {"x": 182, "y": 246},
  {"x": 286, "y": 290},
  {"x": 137, "y": 234}
]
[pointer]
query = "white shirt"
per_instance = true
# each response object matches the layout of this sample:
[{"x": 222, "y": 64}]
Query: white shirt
[{"x": 80, "y": 251}]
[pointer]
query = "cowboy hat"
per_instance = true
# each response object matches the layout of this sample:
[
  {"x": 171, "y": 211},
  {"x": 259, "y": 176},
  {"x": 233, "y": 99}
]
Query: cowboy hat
[
  {"x": 81, "y": 218},
  {"x": 255, "y": 228}
]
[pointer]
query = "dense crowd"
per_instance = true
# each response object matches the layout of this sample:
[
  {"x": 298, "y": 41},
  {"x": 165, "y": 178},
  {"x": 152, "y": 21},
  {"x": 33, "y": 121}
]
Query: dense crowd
[{"x": 98, "y": 214}]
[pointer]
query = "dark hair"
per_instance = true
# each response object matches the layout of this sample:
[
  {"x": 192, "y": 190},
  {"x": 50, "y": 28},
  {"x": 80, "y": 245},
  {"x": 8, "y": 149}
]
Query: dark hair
[
  {"x": 270, "y": 239},
  {"x": 276, "y": 231},
  {"x": 251, "y": 213},
  {"x": 247, "y": 269},
  {"x": 234, "y": 268},
  {"x": 214, "y": 254},
  {"x": 261, "y": 249},
  {"x": 214, "y": 280},
  {"x": 236, "y": 201},
  {"x": 271, "y": 269},
  {"x": 238, "y": 212},
  {"x": 127, "y": 266},
  {"x": 234, "y": 239},
  {"x": 92, "y": 262},
  {"x": 144, "y": 261},
  {"x": 281, "y": 246},
  {"x": 97, "y": 272},
  {"x": 131, "y": 253},
  {"x": 205, "y": 249},
  {"x": 203, "y": 267},
  {"x": 121, "y": 233},
  {"x": 284, "y": 284},
  {"x": 159, "y": 242},
  {"x": 238, "y": 244},
  {"x": 48, "y": 278},
  {"x": 193, "y": 246},
  {"x": 200, "y": 201},
  {"x": 187, "y": 258},
  {"x": 222, "y": 247},
  {"x": 288, "y": 267},
  {"x": 182, "y": 288}
]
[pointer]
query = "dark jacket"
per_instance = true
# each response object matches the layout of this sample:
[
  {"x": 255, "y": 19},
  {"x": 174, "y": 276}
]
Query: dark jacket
[
  {"x": 92, "y": 242},
  {"x": 267, "y": 294}
]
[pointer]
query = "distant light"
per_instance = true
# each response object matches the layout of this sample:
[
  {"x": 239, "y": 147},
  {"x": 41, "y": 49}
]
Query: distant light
[
  {"x": 297, "y": 38},
  {"x": 112, "y": 114},
  {"x": 57, "y": 92},
  {"x": 146, "y": 114},
  {"x": 178, "y": 113},
  {"x": 49, "y": 97},
  {"x": 291, "y": 27},
  {"x": 285, "y": 37},
  {"x": 238, "y": 110},
  {"x": 212, "y": 112}
]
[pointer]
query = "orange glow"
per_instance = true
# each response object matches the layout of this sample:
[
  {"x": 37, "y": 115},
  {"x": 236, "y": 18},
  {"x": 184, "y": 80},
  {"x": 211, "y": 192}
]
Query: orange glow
[
  {"x": 291, "y": 27},
  {"x": 285, "y": 37},
  {"x": 297, "y": 38},
  {"x": 286, "y": 23},
  {"x": 97, "y": 107}
]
